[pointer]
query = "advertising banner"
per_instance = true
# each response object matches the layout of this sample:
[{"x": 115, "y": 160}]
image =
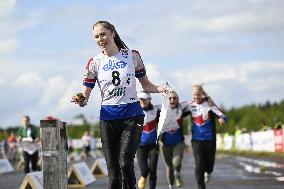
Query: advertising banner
[
  {"x": 278, "y": 140},
  {"x": 263, "y": 141}
]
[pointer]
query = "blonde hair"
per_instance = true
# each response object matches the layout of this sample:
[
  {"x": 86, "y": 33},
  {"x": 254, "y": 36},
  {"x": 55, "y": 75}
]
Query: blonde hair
[
  {"x": 204, "y": 94},
  {"x": 175, "y": 93},
  {"x": 177, "y": 100},
  {"x": 199, "y": 87}
]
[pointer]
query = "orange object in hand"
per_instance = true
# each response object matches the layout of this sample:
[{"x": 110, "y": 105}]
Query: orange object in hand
[{"x": 79, "y": 97}]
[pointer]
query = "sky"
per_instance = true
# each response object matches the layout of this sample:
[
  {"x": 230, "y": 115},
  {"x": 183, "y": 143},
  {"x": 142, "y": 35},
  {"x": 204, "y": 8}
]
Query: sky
[{"x": 235, "y": 48}]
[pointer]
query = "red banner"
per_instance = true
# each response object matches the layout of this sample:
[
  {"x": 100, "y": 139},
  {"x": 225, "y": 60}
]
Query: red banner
[{"x": 279, "y": 140}]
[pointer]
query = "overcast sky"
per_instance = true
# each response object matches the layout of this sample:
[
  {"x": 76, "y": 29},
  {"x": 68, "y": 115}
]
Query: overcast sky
[{"x": 236, "y": 48}]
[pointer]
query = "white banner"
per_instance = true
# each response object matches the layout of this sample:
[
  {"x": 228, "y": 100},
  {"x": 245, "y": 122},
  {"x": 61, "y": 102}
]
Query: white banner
[
  {"x": 220, "y": 141},
  {"x": 243, "y": 141},
  {"x": 263, "y": 141},
  {"x": 228, "y": 142},
  {"x": 77, "y": 143}
]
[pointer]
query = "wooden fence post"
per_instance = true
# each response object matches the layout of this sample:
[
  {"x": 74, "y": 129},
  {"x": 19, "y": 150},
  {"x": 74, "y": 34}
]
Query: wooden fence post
[{"x": 54, "y": 153}]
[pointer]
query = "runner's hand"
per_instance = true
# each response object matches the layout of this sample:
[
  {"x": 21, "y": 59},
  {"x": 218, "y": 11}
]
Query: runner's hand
[
  {"x": 165, "y": 90},
  {"x": 221, "y": 121},
  {"x": 79, "y": 99}
]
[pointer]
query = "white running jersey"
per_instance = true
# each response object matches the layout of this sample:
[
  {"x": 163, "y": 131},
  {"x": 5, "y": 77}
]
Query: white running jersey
[{"x": 116, "y": 78}]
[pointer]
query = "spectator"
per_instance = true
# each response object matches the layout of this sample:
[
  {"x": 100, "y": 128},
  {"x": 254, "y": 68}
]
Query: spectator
[
  {"x": 28, "y": 136},
  {"x": 86, "y": 141}
]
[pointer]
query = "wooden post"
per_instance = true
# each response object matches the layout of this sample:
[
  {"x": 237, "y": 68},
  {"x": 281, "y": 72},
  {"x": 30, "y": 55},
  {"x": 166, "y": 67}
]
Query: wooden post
[
  {"x": 54, "y": 153},
  {"x": 63, "y": 154}
]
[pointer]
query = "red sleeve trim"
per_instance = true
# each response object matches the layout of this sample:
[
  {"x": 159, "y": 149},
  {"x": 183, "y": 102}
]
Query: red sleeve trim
[{"x": 89, "y": 62}]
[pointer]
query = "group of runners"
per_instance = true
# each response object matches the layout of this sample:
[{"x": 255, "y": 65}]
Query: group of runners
[
  {"x": 171, "y": 144},
  {"x": 129, "y": 121}
]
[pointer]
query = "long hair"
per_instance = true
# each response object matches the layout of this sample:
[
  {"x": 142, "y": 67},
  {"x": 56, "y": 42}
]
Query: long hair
[
  {"x": 119, "y": 43},
  {"x": 199, "y": 87},
  {"x": 175, "y": 94}
]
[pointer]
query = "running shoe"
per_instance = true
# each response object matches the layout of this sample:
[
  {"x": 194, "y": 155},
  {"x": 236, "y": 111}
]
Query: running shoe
[
  {"x": 142, "y": 182},
  {"x": 206, "y": 177},
  {"x": 179, "y": 181}
]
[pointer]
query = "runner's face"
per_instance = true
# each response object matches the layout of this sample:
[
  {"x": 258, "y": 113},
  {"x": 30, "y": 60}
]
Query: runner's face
[
  {"x": 197, "y": 95},
  {"x": 103, "y": 37},
  {"x": 144, "y": 102},
  {"x": 173, "y": 100}
]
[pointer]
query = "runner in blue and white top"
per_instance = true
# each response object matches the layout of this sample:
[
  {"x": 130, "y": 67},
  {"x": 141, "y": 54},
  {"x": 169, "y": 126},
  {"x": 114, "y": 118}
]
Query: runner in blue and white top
[
  {"x": 115, "y": 76},
  {"x": 148, "y": 151},
  {"x": 203, "y": 115},
  {"x": 121, "y": 117},
  {"x": 172, "y": 142}
]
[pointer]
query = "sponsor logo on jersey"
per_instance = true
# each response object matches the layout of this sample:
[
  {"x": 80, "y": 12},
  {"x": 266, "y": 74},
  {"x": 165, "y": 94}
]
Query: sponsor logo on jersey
[
  {"x": 117, "y": 92},
  {"x": 114, "y": 65},
  {"x": 124, "y": 53},
  {"x": 193, "y": 108}
]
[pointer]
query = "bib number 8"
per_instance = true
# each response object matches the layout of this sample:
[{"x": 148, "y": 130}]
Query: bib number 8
[{"x": 115, "y": 78}]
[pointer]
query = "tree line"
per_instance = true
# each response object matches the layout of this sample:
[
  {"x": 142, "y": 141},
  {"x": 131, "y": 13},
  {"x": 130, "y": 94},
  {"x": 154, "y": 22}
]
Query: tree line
[
  {"x": 247, "y": 118},
  {"x": 254, "y": 117}
]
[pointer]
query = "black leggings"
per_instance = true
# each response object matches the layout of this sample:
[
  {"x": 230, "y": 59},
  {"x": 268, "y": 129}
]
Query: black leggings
[
  {"x": 30, "y": 159},
  {"x": 148, "y": 159},
  {"x": 120, "y": 139},
  {"x": 204, "y": 156}
]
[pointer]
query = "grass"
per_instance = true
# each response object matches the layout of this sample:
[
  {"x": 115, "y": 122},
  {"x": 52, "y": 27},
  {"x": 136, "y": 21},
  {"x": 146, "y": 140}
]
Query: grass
[{"x": 278, "y": 155}]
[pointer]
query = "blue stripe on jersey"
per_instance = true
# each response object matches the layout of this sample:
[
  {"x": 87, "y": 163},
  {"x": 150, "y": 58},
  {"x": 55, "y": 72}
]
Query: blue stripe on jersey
[
  {"x": 90, "y": 85},
  {"x": 204, "y": 132},
  {"x": 140, "y": 73},
  {"x": 148, "y": 138},
  {"x": 121, "y": 111},
  {"x": 172, "y": 138}
]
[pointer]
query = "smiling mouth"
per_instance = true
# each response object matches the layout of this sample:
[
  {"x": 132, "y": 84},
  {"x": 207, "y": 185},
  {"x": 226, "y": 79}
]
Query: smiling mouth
[{"x": 102, "y": 44}]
